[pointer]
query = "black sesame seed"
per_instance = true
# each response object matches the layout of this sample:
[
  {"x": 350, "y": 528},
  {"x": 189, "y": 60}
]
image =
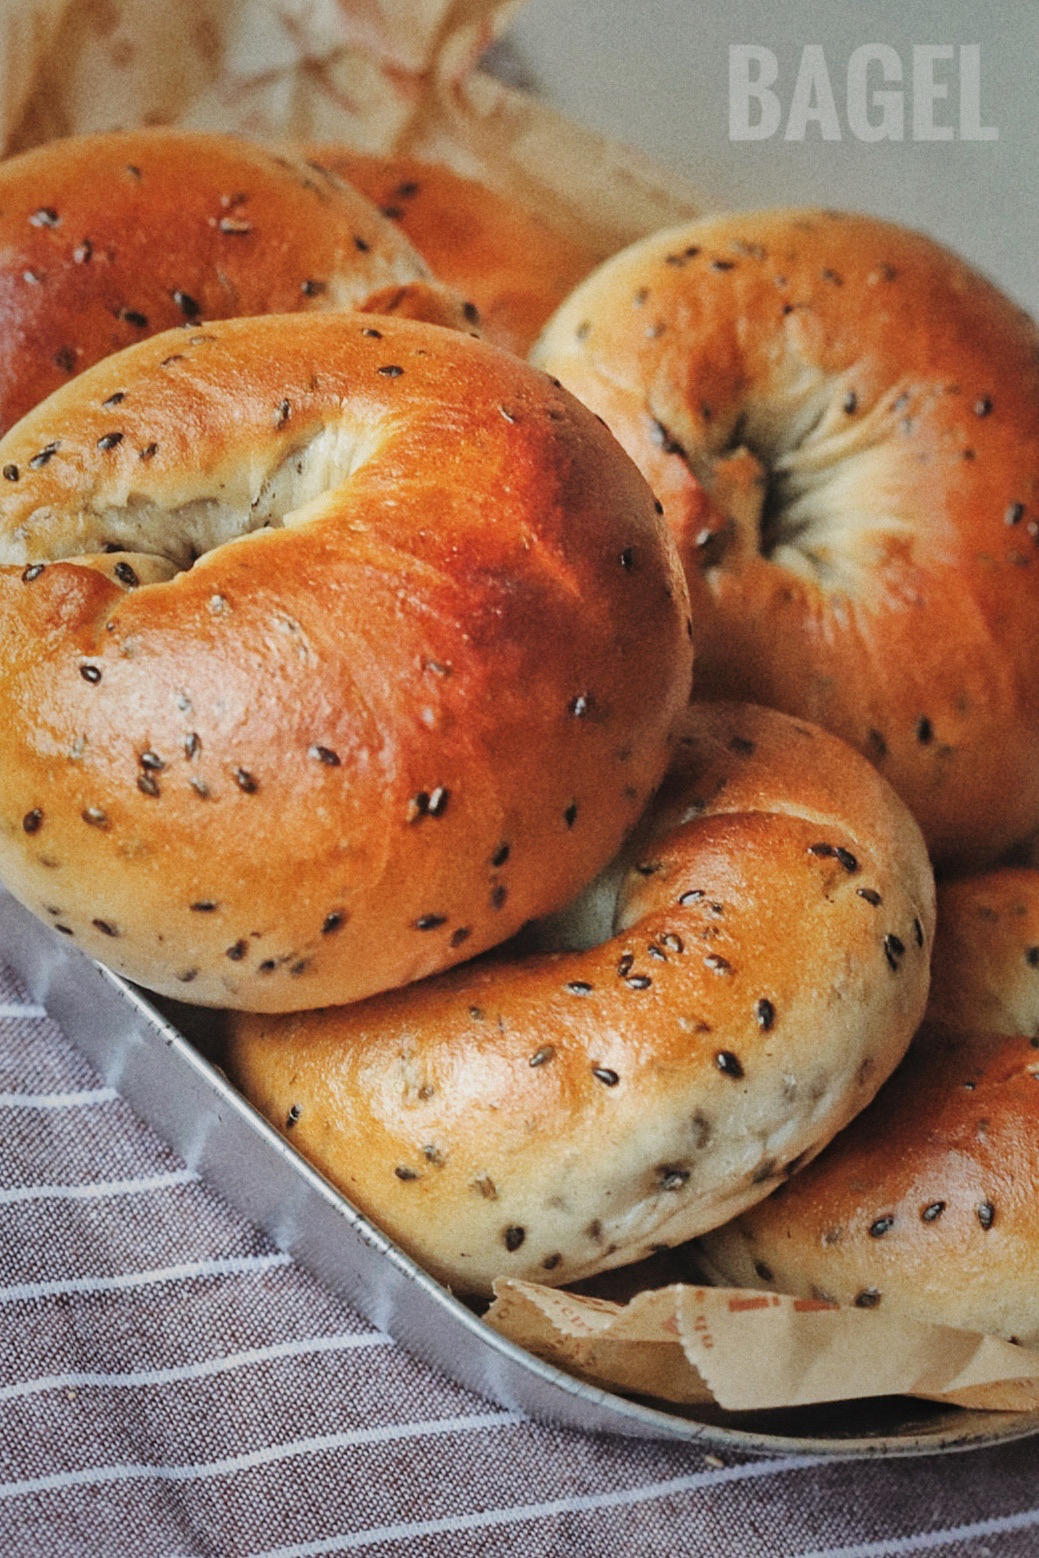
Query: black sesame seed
[
  {"x": 332, "y": 921},
  {"x": 924, "y": 730},
  {"x": 729, "y": 1064},
  {"x": 90, "y": 673},
  {"x": 570, "y": 815},
  {"x": 284, "y": 411},
  {"x": 312, "y": 288},
  {"x": 868, "y": 1298},
  {"x": 672, "y": 1178},
  {"x": 1015, "y": 512},
  {"x": 245, "y": 781},
  {"x": 45, "y": 454},
  {"x": 133, "y": 316},
  {"x": 109, "y": 440},
  {"x": 372, "y": 334},
  {"x": 105, "y": 927},
  {"x": 824, "y": 851},
  {"x": 514, "y": 1237},
  {"x": 32, "y": 822},
  {"x": 361, "y": 244},
  {"x": 477, "y": 1014},
  {"x": 268, "y": 966},
  {"x": 604, "y": 1075},
  {"x": 402, "y": 1171},
  {"x": 627, "y": 558},
  {"x": 204, "y": 906},
  {"x": 151, "y": 760},
  {"x": 638, "y": 982},
  {"x": 11, "y": 473},
  {"x": 765, "y": 1013},
  {"x": 846, "y": 859},
  {"x": 625, "y": 964},
  {"x": 500, "y": 856},
  {"x": 986, "y": 1214},
  {"x": 894, "y": 947},
  {"x": 66, "y": 930},
  {"x": 851, "y": 403},
  {"x": 541, "y": 1056},
  {"x": 499, "y": 893},
  {"x": 126, "y": 575},
  {"x": 765, "y": 1273},
  {"x": 148, "y": 785},
  {"x": 460, "y": 935},
  {"x": 723, "y": 265},
  {"x": 932, "y": 1211},
  {"x": 918, "y": 932},
  {"x": 238, "y": 951},
  {"x": 188, "y": 976},
  {"x": 430, "y": 921},
  {"x": 186, "y": 303},
  {"x": 293, "y": 1115},
  {"x": 65, "y": 358},
  {"x": 46, "y": 216},
  {"x": 550, "y": 1262},
  {"x": 880, "y": 1227},
  {"x": 324, "y": 755},
  {"x": 471, "y": 313},
  {"x": 148, "y": 452},
  {"x": 871, "y": 896},
  {"x": 983, "y": 406},
  {"x": 391, "y": 370},
  {"x": 742, "y": 745}
]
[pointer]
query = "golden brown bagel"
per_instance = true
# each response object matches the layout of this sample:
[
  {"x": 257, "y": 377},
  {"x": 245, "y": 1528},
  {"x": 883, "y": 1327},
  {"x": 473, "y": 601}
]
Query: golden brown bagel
[
  {"x": 554, "y": 1116},
  {"x": 108, "y": 238},
  {"x": 927, "y": 1202},
  {"x": 333, "y": 648},
  {"x": 513, "y": 266},
  {"x": 841, "y": 420}
]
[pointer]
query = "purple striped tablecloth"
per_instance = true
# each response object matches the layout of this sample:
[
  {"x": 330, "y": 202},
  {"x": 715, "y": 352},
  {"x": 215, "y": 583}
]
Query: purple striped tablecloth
[{"x": 171, "y": 1384}]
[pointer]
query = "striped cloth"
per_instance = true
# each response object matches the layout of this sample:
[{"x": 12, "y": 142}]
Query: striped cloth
[{"x": 170, "y": 1383}]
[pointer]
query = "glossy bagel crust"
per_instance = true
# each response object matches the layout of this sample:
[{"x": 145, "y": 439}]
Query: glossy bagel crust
[
  {"x": 334, "y": 647},
  {"x": 927, "y": 1202},
  {"x": 510, "y": 263},
  {"x": 108, "y": 238},
  {"x": 841, "y": 420},
  {"x": 553, "y": 1116}
]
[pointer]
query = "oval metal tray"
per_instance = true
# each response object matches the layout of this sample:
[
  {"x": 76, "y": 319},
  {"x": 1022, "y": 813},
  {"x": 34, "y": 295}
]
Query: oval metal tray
[{"x": 166, "y": 1078}]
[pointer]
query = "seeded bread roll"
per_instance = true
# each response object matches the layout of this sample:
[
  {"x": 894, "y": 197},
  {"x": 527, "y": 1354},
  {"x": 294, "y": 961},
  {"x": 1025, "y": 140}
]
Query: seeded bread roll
[
  {"x": 513, "y": 266},
  {"x": 926, "y": 1204},
  {"x": 334, "y": 647},
  {"x": 841, "y": 420},
  {"x": 554, "y": 1116},
  {"x": 106, "y": 239}
]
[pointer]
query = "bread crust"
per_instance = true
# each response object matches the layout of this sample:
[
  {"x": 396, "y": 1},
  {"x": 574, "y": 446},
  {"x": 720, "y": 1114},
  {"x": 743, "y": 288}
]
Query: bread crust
[
  {"x": 553, "y": 1116},
  {"x": 926, "y": 1204},
  {"x": 109, "y": 238},
  {"x": 841, "y": 420},
  {"x": 334, "y": 648},
  {"x": 508, "y": 261}
]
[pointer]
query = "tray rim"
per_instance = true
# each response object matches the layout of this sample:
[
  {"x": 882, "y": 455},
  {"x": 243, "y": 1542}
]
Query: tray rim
[{"x": 143, "y": 1045}]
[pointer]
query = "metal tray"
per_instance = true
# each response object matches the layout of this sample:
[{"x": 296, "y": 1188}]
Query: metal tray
[{"x": 164, "y": 1075}]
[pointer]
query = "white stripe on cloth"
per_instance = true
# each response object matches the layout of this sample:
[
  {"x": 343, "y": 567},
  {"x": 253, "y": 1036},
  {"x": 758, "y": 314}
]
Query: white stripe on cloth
[
  {"x": 249, "y": 1459},
  {"x": 515, "y": 1514},
  {"x": 78, "y": 1100},
  {"x": 929, "y": 1541},
  {"x": 15, "y": 1009},
  {"x": 233, "y": 1265},
  {"x": 98, "y": 1189},
  {"x": 205, "y": 1367}
]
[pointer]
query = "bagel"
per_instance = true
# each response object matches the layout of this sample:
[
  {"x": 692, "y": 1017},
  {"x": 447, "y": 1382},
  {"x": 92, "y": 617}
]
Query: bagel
[
  {"x": 334, "y": 647},
  {"x": 108, "y": 238},
  {"x": 841, "y": 420},
  {"x": 554, "y": 1116},
  {"x": 927, "y": 1203},
  {"x": 513, "y": 266}
]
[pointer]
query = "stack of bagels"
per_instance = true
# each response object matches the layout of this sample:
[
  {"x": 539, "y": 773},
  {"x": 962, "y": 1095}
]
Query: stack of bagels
[{"x": 340, "y": 643}]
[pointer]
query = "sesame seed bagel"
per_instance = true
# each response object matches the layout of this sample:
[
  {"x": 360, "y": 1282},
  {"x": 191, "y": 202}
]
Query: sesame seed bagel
[
  {"x": 926, "y": 1204},
  {"x": 552, "y": 1116},
  {"x": 841, "y": 420},
  {"x": 334, "y": 647},
  {"x": 108, "y": 238},
  {"x": 513, "y": 266}
]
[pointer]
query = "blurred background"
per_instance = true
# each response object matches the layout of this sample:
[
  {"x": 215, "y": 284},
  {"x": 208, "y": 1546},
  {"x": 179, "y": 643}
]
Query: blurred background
[{"x": 655, "y": 73}]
